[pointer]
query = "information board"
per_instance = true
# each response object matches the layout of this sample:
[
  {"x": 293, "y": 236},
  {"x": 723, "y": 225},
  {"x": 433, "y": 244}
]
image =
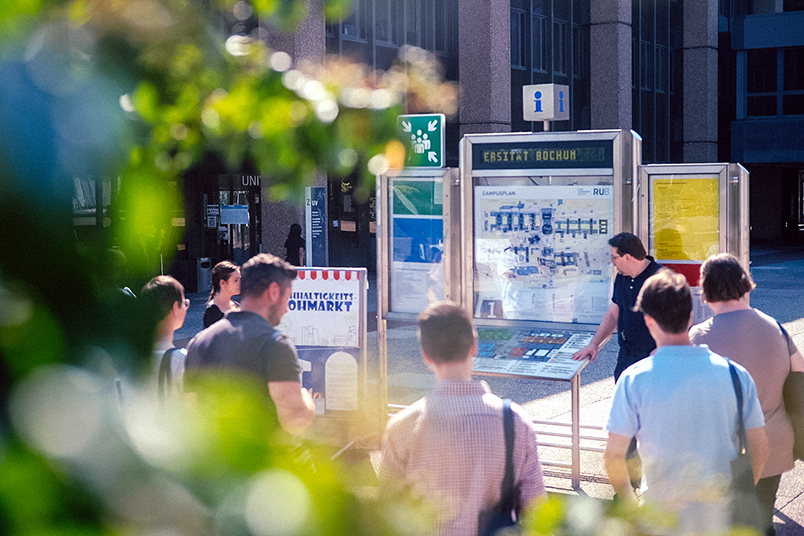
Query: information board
[
  {"x": 685, "y": 214},
  {"x": 316, "y": 220},
  {"x": 542, "y": 253},
  {"x": 416, "y": 243},
  {"x": 539, "y": 353},
  {"x": 324, "y": 321}
]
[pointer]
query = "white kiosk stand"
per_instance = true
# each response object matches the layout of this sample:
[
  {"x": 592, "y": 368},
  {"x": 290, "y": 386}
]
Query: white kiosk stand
[{"x": 537, "y": 213}]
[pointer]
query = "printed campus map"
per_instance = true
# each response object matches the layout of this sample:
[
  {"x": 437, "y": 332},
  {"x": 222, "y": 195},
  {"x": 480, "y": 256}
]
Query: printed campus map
[{"x": 542, "y": 253}]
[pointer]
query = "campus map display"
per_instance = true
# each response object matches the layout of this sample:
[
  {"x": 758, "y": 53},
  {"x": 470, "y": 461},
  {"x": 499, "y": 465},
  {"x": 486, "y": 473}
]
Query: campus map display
[
  {"x": 542, "y": 253},
  {"x": 538, "y": 352}
]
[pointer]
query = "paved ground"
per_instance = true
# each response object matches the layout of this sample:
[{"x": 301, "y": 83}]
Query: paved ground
[{"x": 779, "y": 274}]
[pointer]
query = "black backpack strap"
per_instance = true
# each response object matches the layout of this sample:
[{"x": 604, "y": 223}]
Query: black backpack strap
[
  {"x": 507, "y": 499},
  {"x": 738, "y": 390}
]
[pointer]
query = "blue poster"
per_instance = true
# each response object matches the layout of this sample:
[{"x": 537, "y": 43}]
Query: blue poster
[{"x": 418, "y": 239}]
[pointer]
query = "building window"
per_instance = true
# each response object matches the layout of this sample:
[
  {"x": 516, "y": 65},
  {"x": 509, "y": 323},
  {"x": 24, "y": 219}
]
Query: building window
[
  {"x": 441, "y": 30},
  {"x": 775, "y": 82},
  {"x": 384, "y": 21},
  {"x": 793, "y": 89},
  {"x": 354, "y": 26},
  {"x": 761, "y": 70},
  {"x": 560, "y": 41},
  {"x": 661, "y": 68},
  {"x": 646, "y": 65},
  {"x": 539, "y": 42},
  {"x": 412, "y": 19},
  {"x": 578, "y": 46},
  {"x": 517, "y": 38}
]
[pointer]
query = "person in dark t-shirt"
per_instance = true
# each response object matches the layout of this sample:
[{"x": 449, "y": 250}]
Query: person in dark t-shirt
[
  {"x": 247, "y": 341},
  {"x": 633, "y": 266}
]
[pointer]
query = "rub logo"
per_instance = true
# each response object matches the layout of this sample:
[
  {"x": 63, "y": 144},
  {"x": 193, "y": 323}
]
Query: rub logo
[{"x": 600, "y": 191}]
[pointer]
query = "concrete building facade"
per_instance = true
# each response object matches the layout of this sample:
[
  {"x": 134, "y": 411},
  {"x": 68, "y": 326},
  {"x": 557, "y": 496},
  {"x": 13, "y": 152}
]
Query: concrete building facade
[{"x": 700, "y": 81}]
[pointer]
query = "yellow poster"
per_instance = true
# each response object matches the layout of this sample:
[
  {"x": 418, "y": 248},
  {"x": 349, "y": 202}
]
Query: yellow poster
[{"x": 685, "y": 218}]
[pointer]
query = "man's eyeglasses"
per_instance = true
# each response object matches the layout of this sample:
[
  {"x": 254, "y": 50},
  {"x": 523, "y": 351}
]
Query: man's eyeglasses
[{"x": 187, "y": 302}]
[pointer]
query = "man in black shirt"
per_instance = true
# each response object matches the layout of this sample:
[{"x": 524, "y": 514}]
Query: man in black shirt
[
  {"x": 247, "y": 341},
  {"x": 633, "y": 266}
]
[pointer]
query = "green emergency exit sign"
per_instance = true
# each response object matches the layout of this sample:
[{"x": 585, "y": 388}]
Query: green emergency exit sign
[{"x": 423, "y": 135}]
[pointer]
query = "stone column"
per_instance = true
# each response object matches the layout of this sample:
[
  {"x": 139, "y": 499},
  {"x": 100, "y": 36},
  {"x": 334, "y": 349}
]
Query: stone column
[
  {"x": 484, "y": 65},
  {"x": 700, "y": 80},
  {"x": 610, "y": 56},
  {"x": 308, "y": 42}
]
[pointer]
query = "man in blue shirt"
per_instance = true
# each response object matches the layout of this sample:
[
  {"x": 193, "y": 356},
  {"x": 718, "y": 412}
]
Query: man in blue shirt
[{"x": 681, "y": 406}]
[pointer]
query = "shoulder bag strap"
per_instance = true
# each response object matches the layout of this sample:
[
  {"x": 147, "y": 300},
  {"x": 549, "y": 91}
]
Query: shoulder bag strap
[
  {"x": 165, "y": 372},
  {"x": 738, "y": 390},
  {"x": 506, "y": 490},
  {"x": 787, "y": 341}
]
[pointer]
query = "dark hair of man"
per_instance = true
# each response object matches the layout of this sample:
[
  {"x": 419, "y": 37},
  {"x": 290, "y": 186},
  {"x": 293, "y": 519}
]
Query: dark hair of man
[
  {"x": 257, "y": 274},
  {"x": 446, "y": 332},
  {"x": 628, "y": 244},
  {"x": 160, "y": 293},
  {"x": 666, "y": 298},
  {"x": 723, "y": 278},
  {"x": 221, "y": 272}
]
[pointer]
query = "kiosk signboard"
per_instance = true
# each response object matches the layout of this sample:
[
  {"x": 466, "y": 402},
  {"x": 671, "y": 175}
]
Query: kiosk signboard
[
  {"x": 688, "y": 212},
  {"x": 326, "y": 320},
  {"x": 416, "y": 243},
  {"x": 538, "y": 211}
]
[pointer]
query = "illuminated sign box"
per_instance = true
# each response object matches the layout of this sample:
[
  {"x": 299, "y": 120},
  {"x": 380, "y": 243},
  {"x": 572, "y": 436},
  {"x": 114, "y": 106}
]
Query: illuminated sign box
[{"x": 582, "y": 154}]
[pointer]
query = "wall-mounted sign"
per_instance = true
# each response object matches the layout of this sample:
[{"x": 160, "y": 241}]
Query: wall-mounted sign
[
  {"x": 234, "y": 214},
  {"x": 423, "y": 135},
  {"x": 316, "y": 226}
]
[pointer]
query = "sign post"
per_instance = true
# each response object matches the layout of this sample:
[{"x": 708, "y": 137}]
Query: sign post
[
  {"x": 316, "y": 226},
  {"x": 424, "y": 138}
]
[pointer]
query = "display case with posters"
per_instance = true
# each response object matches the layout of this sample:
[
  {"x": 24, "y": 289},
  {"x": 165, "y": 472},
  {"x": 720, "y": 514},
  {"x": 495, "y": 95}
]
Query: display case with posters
[
  {"x": 418, "y": 247},
  {"x": 537, "y": 211},
  {"x": 687, "y": 212}
]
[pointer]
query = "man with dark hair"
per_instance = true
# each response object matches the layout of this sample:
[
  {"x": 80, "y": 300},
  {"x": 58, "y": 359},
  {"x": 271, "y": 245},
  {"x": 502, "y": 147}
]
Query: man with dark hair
[
  {"x": 680, "y": 405},
  {"x": 449, "y": 447},
  {"x": 633, "y": 266},
  {"x": 760, "y": 344},
  {"x": 247, "y": 341}
]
